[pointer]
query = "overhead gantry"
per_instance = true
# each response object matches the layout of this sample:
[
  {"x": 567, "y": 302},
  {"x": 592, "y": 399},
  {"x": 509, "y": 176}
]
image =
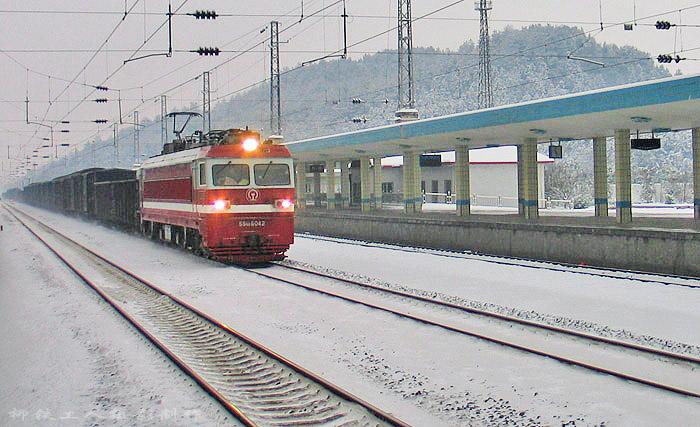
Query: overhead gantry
[{"x": 654, "y": 106}]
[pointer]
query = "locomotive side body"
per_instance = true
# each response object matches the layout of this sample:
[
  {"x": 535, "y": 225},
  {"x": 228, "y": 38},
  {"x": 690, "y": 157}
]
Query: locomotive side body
[{"x": 229, "y": 201}]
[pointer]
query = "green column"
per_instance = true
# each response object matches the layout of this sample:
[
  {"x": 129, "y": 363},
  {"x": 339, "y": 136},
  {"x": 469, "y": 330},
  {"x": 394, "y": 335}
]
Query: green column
[
  {"x": 317, "y": 188},
  {"x": 600, "y": 176},
  {"x": 528, "y": 171},
  {"x": 412, "y": 197},
  {"x": 696, "y": 173},
  {"x": 365, "y": 185},
  {"x": 344, "y": 184},
  {"x": 300, "y": 183},
  {"x": 623, "y": 177},
  {"x": 462, "y": 180},
  {"x": 377, "y": 200},
  {"x": 521, "y": 195},
  {"x": 330, "y": 184}
]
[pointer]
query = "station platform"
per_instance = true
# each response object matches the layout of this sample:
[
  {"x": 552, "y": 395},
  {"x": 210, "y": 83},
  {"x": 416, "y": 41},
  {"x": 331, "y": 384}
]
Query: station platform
[{"x": 659, "y": 239}]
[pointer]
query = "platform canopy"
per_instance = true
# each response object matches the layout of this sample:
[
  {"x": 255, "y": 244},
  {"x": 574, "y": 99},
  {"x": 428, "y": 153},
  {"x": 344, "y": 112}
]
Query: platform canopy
[{"x": 658, "y": 105}]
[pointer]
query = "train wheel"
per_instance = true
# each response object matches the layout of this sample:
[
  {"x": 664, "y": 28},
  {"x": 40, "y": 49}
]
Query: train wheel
[
  {"x": 178, "y": 237},
  {"x": 154, "y": 231},
  {"x": 192, "y": 239}
]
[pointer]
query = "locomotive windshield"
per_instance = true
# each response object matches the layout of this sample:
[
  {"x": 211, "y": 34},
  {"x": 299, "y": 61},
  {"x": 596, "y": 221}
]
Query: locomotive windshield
[
  {"x": 272, "y": 174},
  {"x": 225, "y": 175}
]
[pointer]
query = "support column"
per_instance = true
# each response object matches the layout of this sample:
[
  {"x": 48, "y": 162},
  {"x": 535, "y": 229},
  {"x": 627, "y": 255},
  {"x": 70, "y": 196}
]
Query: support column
[
  {"x": 412, "y": 197},
  {"x": 528, "y": 171},
  {"x": 344, "y": 184},
  {"x": 317, "y": 188},
  {"x": 521, "y": 195},
  {"x": 600, "y": 176},
  {"x": 365, "y": 185},
  {"x": 623, "y": 177},
  {"x": 377, "y": 202},
  {"x": 462, "y": 180},
  {"x": 330, "y": 184},
  {"x": 300, "y": 183},
  {"x": 696, "y": 173}
]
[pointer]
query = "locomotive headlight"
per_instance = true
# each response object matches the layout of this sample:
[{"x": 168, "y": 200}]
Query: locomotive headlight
[
  {"x": 250, "y": 144},
  {"x": 284, "y": 203},
  {"x": 220, "y": 205}
]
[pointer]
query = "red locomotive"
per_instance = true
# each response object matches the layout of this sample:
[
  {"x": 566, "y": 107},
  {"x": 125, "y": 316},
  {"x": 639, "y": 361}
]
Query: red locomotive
[{"x": 226, "y": 194}]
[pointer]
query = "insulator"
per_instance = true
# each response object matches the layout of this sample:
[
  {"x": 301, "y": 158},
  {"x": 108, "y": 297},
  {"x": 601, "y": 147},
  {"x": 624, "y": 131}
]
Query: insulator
[
  {"x": 206, "y": 51},
  {"x": 663, "y": 25},
  {"x": 100, "y": 121},
  {"x": 205, "y": 14},
  {"x": 101, "y": 100},
  {"x": 101, "y": 88}
]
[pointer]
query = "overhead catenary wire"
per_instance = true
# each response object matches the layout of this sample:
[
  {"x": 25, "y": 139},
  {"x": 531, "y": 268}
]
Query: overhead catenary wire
[{"x": 236, "y": 91}]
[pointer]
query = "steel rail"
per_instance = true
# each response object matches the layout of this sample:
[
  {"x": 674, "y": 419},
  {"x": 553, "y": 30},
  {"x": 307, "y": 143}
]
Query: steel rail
[
  {"x": 485, "y": 313},
  {"x": 232, "y": 409},
  {"x": 238, "y": 413},
  {"x": 505, "y": 343}
]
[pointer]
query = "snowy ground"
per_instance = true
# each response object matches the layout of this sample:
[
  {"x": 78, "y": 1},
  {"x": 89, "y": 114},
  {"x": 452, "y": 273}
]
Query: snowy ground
[
  {"x": 92, "y": 362},
  {"x": 66, "y": 359}
]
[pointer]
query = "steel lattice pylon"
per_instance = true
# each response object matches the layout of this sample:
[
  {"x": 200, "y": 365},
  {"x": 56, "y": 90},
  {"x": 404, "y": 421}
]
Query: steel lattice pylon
[
  {"x": 163, "y": 120},
  {"x": 485, "y": 92},
  {"x": 206, "y": 103},
  {"x": 275, "y": 111},
  {"x": 405, "y": 48},
  {"x": 137, "y": 144}
]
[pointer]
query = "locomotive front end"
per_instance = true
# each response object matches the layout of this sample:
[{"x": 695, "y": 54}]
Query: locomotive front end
[{"x": 246, "y": 202}]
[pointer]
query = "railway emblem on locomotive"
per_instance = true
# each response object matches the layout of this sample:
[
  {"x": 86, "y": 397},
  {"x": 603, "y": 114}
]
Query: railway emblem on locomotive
[{"x": 252, "y": 195}]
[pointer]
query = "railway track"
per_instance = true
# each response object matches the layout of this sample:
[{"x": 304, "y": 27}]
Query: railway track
[
  {"x": 640, "y": 276},
  {"x": 256, "y": 385},
  {"x": 672, "y": 372}
]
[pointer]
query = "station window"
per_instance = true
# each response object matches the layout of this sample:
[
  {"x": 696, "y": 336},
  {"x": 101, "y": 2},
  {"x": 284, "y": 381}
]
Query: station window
[
  {"x": 272, "y": 174},
  {"x": 230, "y": 175}
]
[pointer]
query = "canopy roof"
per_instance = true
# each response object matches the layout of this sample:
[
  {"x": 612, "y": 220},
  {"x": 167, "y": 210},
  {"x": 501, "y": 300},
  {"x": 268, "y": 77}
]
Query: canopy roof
[{"x": 657, "y": 105}]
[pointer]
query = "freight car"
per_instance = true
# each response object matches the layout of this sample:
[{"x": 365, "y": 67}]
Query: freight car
[{"x": 224, "y": 194}]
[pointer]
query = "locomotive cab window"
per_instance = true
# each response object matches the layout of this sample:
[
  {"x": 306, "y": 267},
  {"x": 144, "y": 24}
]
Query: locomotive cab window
[
  {"x": 230, "y": 175},
  {"x": 202, "y": 174},
  {"x": 272, "y": 174}
]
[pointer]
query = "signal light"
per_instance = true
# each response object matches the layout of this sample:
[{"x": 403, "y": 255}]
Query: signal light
[
  {"x": 207, "y": 51},
  {"x": 205, "y": 14},
  {"x": 663, "y": 25},
  {"x": 665, "y": 59},
  {"x": 250, "y": 144},
  {"x": 101, "y": 100}
]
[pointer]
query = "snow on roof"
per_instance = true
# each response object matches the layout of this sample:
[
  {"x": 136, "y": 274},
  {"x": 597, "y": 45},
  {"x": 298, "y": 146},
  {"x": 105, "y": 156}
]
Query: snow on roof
[{"x": 495, "y": 155}]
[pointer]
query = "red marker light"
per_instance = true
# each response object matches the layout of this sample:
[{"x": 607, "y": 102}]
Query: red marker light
[{"x": 250, "y": 144}]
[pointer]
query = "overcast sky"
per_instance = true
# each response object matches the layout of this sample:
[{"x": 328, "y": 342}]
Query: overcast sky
[{"x": 45, "y": 45}]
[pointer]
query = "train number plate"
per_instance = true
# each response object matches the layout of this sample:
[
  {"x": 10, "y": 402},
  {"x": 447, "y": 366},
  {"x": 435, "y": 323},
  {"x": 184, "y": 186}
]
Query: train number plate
[{"x": 254, "y": 223}]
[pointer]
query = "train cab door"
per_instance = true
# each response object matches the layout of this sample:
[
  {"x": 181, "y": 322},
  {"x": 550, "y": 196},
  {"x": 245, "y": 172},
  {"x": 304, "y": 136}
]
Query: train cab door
[{"x": 199, "y": 184}]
